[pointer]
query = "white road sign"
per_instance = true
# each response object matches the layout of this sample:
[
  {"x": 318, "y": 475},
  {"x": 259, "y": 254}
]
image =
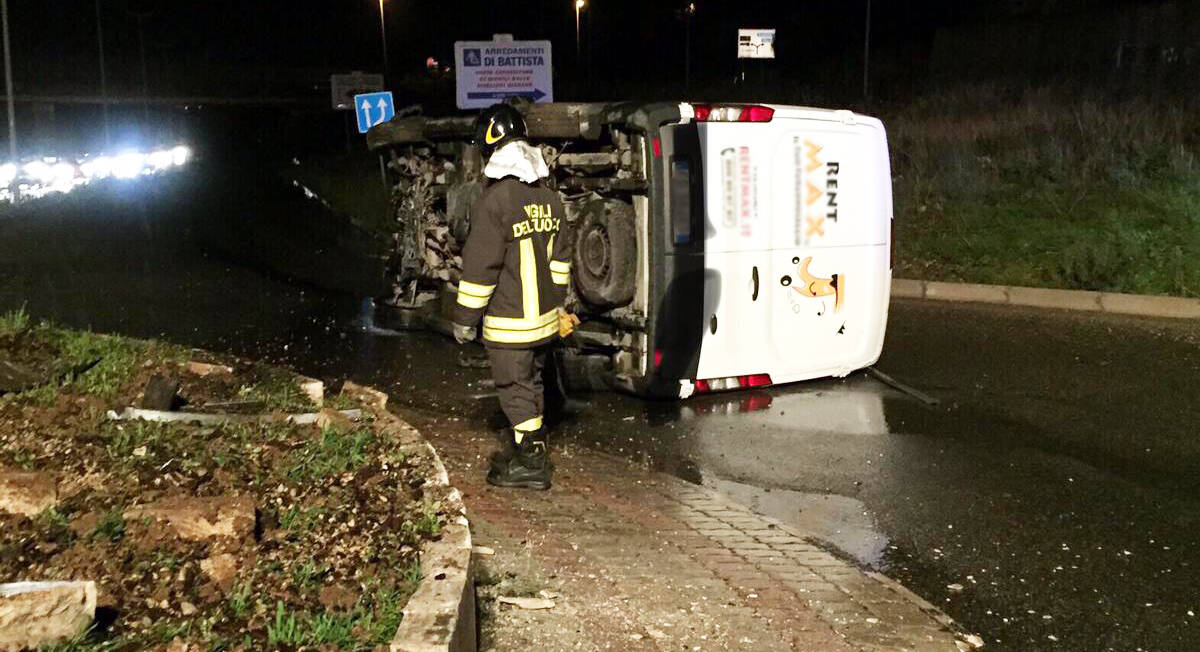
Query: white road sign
[
  {"x": 345, "y": 87},
  {"x": 756, "y": 44},
  {"x": 490, "y": 71}
]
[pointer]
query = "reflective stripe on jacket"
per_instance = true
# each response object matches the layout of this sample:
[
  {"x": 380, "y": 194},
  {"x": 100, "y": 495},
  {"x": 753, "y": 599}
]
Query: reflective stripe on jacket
[{"x": 515, "y": 265}]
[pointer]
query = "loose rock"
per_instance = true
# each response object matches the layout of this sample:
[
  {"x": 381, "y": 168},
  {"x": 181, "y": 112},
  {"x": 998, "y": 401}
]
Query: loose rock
[
  {"x": 201, "y": 518},
  {"x": 221, "y": 569},
  {"x": 527, "y": 603},
  {"x": 33, "y": 613},
  {"x": 206, "y": 369},
  {"x": 27, "y": 493}
]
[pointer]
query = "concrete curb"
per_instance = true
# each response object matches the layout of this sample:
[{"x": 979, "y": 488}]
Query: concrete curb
[
  {"x": 440, "y": 615},
  {"x": 1109, "y": 302}
]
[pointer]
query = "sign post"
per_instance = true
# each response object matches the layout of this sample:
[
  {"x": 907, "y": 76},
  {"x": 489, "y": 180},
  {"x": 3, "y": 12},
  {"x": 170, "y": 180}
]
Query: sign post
[
  {"x": 491, "y": 71},
  {"x": 756, "y": 44}
]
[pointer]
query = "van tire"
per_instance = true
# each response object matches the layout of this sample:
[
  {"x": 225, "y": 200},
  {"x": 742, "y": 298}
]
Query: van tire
[{"x": 605, "y": 259}]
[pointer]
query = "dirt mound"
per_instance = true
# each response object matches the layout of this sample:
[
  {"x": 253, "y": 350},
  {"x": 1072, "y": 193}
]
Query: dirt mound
[{"x": 252, "y": 535}]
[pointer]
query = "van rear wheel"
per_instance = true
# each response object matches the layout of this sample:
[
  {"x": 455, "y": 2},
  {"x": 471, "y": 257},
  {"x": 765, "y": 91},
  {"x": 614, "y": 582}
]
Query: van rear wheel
[{"x": 605, "y": 265}]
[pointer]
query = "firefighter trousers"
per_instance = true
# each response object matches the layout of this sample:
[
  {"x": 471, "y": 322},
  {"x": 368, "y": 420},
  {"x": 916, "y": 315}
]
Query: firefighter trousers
[{"x": 518, "y": 376}]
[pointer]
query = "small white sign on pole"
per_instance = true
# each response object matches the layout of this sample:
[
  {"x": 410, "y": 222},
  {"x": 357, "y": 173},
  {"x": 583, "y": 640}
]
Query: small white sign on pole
[
  {"x": 756, "y": 44},
  {"x": 491, "y": 71}
]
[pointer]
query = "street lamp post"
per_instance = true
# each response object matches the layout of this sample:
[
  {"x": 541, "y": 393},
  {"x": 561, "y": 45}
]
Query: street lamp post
[
  {"x": 8, "y": 80},
  {"x": 867, "y": 54},
  {"x": 383, "y": 37},
  {"x": 103, "y": 75},
  {"x": 578, "y": 7},
  {"x": 690, "y": 11}
]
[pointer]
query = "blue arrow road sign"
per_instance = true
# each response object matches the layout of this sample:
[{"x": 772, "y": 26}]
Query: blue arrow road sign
[
  {"x": 373, "y": 109},
  {"x": 535, "y": 95}
]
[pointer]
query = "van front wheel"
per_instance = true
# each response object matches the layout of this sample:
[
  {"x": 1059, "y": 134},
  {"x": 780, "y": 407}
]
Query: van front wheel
[{"x": 605, "y": 265}]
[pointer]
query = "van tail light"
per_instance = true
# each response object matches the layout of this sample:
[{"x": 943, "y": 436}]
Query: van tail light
[
  {"x": 710, "y": 113},
  {"x": 757, "y": 114},
  {"x": 733, "y": 382},
  {"x": 658, "y": 356},
  {"x": 656, "y": 145}
]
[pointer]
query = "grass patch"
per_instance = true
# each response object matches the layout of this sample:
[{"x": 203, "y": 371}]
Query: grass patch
[
  {"x": 86, "y": 641},
  {"x": 332, "y": 453},
  {"x": 239, "y": 600},
  {"x": 279, "y": 392},
  {"x": 14, "y": 322},
  {"x": 296, "y": 519},
  {"x": 1046, "y": 189},
  {"x": 430, "y": 522},
  {"x": 111, "y": 526},
  {"x": 372, "y": 621}
]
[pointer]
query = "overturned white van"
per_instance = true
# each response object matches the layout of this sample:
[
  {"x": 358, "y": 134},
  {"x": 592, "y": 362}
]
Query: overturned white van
[{"x": 717, "y": 247}]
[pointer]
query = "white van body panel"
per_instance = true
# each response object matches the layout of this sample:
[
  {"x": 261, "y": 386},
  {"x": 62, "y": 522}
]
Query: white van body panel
[{"x": 804, "y": 204}]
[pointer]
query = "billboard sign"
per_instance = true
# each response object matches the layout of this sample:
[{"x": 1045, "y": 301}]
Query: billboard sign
[
  {"x": 756, "y": 44},
  {"x": 344, "y": 87},
  {"x": 491, "y": 71}
]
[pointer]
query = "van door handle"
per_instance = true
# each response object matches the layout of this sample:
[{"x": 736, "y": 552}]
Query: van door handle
[{"x": 754, "y": 275}]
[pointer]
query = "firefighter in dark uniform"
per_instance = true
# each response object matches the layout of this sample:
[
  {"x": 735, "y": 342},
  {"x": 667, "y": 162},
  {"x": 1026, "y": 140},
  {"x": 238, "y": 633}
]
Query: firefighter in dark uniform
[{"x": 515, "y": 276}]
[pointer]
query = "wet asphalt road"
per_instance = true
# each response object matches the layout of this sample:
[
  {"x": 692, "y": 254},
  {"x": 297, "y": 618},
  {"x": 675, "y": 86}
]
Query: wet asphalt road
[{"x": 1056, "y": 483}]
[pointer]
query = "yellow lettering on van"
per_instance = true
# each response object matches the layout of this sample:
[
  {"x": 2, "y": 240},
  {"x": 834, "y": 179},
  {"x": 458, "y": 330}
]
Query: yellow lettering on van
[
  {"x": 816, "y": 226},
  {"x": 812, "y": 150},
  {"x": 814, "y": 193}
]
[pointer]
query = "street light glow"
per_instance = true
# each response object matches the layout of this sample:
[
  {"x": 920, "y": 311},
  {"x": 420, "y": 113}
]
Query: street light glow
[{"x": 579, "y": 4}]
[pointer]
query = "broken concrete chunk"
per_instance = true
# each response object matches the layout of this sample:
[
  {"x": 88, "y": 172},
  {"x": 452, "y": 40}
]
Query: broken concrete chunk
[
  {"x": 160, "y": 393},
  {"x": 975, "y": 641},
  {"x": 201, "y": 518},
  {"x": 15, "y": 378},
  {"x": 206, "y": 369},
  {"x": 527, "y": 603},
  {"x": 313, "y": 389},
  {"x": 34, "y": 613},
  {"x": 330, "y": 418},
  {"x": 368, "y": 395},
  {"x": 483, "y": 551},
  {"x": 221, "y": 569},
  {"x": 27, "y": 493}
]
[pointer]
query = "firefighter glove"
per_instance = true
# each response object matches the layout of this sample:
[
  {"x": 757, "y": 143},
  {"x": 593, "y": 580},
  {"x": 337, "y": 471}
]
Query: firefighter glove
[
  {"x": 566, "y": 323},
  {"x": 464, "y": 334}
]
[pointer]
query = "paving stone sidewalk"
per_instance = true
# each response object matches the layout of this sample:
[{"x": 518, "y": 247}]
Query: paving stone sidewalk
[{"x": 642, "y": 560}]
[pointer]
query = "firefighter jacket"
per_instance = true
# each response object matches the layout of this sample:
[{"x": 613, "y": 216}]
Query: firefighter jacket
[{"x": 515, "y": 268}]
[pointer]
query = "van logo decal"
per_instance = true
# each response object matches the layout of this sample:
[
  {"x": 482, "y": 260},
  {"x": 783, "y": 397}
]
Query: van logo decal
[
  {"x": 808, "y": 286},
  {"x": 816, "y": 192},
  {"x": 729, "y": 188},
  {"x": 737, "y": 190}
]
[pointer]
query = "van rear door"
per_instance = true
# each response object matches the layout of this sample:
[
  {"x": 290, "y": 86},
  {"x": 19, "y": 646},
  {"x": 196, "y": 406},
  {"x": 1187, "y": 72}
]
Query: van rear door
[{"x": 796, "y": 245}]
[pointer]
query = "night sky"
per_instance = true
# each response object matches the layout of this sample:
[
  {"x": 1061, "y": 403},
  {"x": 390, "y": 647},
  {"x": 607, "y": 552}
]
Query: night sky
[{"x": 640, "y": 36}]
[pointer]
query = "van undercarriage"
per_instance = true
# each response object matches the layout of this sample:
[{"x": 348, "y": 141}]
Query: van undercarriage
[{"x": 600, "y": 163}]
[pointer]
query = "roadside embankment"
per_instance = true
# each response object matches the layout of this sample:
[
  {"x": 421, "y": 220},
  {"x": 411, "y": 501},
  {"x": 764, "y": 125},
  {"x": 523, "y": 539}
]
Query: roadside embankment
[{"x": 1047, "y": 187}]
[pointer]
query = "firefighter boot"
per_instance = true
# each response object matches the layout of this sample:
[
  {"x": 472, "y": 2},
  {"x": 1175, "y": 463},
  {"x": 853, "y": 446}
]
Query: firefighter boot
[
  {"x": 528, "y": 468},
  {"x": 508, "y": 448}
]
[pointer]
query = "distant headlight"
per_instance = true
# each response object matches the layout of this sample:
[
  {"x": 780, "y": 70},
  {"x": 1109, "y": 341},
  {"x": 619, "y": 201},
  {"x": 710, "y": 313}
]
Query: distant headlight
[{"x": 129, "y": 165}]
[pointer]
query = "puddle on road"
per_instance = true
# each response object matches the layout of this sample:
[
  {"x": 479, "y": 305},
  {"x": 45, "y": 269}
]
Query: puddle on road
[
  {"x": 808, "y": 423},
  {"x": 840, "y": 521}
]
